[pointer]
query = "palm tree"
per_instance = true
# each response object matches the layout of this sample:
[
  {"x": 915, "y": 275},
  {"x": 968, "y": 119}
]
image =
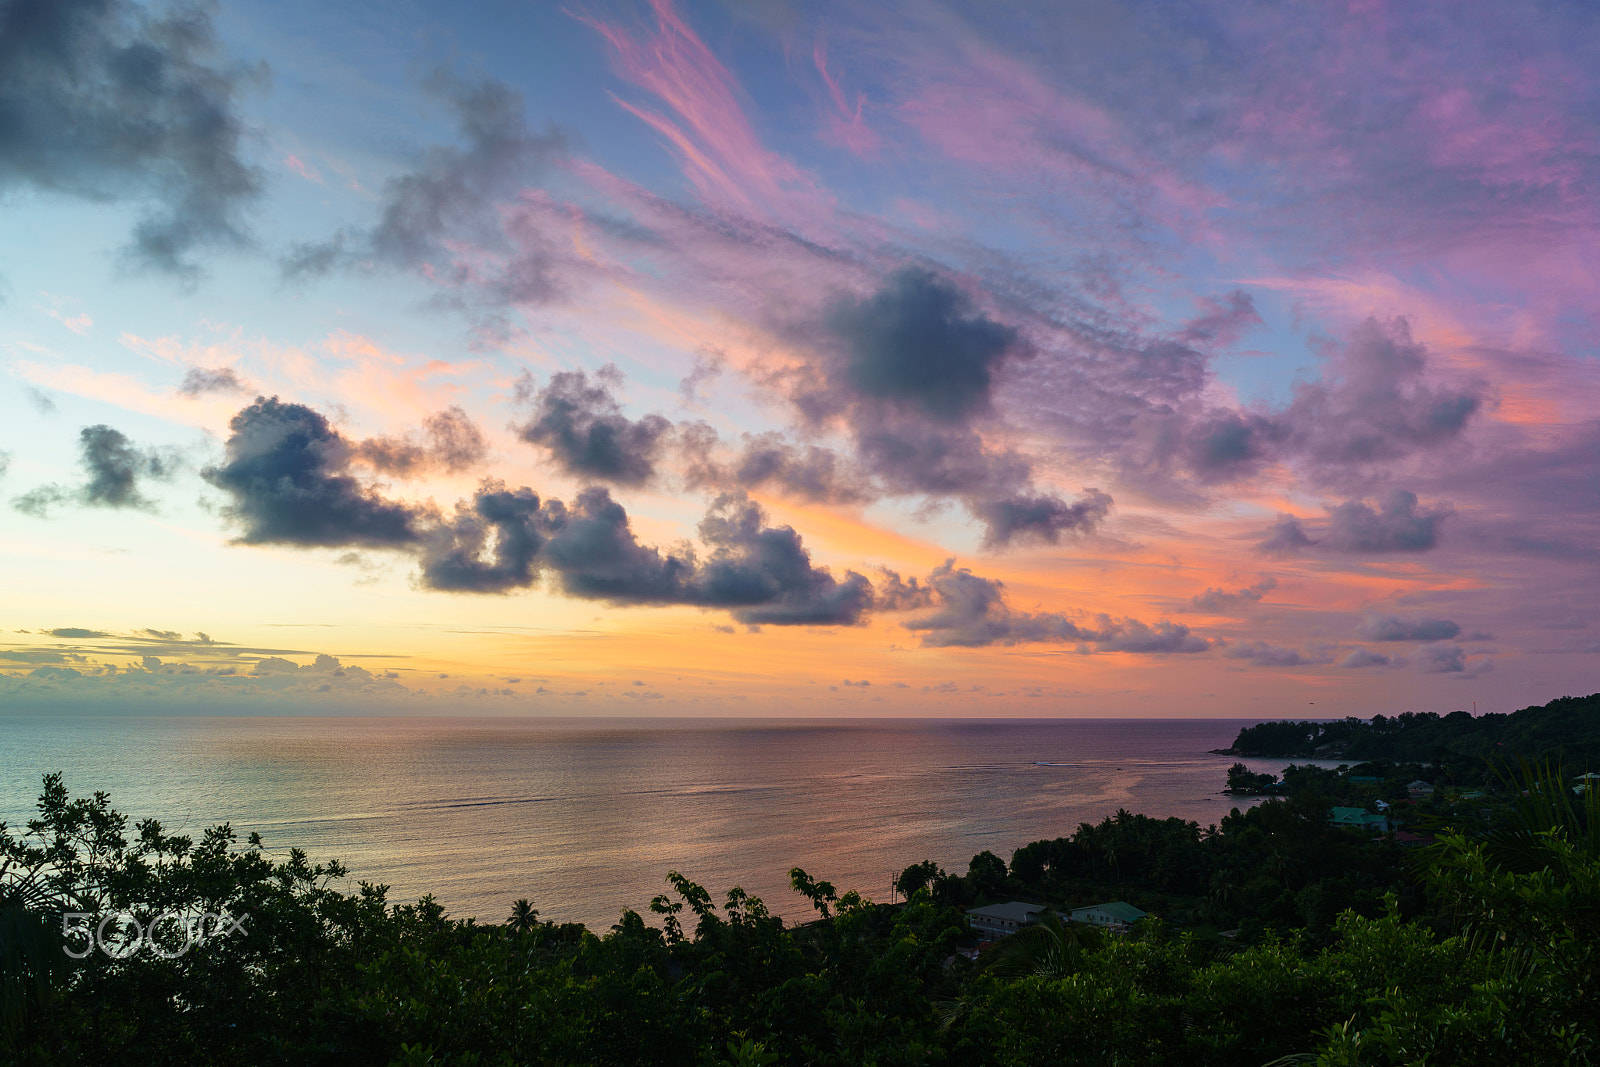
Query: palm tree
[
  {"x": 31, "y": 964},
  {"x": 524, "y": 916},
  {"x": 1048, "y": 948},
  {"x": 1543, "y": 806}
]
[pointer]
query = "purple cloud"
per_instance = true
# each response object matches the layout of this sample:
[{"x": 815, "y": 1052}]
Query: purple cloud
[{"x": 1411, "y": 628}]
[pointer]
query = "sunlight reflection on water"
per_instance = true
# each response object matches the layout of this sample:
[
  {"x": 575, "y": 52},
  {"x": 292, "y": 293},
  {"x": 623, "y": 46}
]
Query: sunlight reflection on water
[{"x": 585, "y": 817}]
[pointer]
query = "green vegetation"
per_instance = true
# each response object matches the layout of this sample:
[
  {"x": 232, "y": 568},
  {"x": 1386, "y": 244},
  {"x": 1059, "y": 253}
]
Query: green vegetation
[
  {"x": 1242, "y": 780},
  {"x": 1454, "y": 748},
  {"x": 1279, "y": 935}
]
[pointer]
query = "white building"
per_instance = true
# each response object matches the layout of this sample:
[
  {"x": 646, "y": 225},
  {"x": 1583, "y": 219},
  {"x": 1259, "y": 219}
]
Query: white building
[{"x": 1002, "y": 920}]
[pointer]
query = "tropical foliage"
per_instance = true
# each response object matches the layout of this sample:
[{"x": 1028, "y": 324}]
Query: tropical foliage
[
  {"x": 1460, "y": 747},
  {"x": 1480, "y": 949}
]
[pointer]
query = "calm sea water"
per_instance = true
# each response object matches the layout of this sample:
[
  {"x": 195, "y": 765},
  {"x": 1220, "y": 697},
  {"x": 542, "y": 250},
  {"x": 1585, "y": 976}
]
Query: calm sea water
[{"x": 586, "y": 817}]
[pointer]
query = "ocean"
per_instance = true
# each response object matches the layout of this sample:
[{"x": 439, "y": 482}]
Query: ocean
[{"x": 585, "y": 817}]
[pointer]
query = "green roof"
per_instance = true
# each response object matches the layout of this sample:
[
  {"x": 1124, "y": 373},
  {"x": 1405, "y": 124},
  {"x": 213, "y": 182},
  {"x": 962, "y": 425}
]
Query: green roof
[
  {"x": 1119, "y": 910},
  {"x": 1354, "y": 816}
]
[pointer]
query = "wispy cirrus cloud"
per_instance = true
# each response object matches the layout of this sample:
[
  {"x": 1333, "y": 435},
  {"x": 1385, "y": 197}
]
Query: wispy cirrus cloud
[{"x": 708, "y": 129}]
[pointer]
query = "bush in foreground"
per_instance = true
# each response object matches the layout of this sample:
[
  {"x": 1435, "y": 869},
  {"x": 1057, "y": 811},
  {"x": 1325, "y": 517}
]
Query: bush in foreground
[{"x": 1498, "y": 968}]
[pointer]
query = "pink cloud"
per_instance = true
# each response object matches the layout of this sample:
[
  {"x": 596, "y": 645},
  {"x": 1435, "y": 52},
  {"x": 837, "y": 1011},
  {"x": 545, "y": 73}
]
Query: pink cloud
[
  {"x": 844, "y": 125},
  {"x": 720, "y": 152},
  {"x": 310, "y": 174},
  {"x": 1003, "y": 118}
]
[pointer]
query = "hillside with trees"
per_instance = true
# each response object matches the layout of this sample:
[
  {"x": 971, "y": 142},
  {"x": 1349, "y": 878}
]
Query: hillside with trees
[
  {"x": 1273, "y": 934},
  {"x": 1460, "y": 745}
]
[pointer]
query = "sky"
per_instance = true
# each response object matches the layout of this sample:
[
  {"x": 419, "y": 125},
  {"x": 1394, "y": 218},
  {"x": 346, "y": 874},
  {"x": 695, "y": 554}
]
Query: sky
[{"x": 645, "y": 357}]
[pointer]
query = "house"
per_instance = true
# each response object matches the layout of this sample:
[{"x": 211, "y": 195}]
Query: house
[
  {"x": 1364, "y": 779},
  {"x": 1117, "y": 913},
  {"x": 1003, "y": 920},
  {"x": 1358, "y": 818},
  {"x": 1419, "y": 788}
]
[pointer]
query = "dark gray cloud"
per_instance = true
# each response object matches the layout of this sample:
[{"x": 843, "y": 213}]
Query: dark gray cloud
[
  {"x": 911, "y": 369},
  {"x": 1263, "y": 654},
  {"x": 765, "y": 575},
  {"x": 156, "y": 651},
  {"x": 1377, "y": 627},
  {"x": 1398, "y": 524},
  {"x": 35, "y": 655},
  {"x": 971, "y": 612},
  {"x": 1365, "y": 657},
  {"x": 203, "y": 684},
  {"x": 453, "y": 439},
  {"x": 1536, "y": 488},
  {"x": 38, "y": 502},
  {"x": 905, "y": 455},
  {"x": 287, "y": 476},
  {"x": 449, "y": 441},
  {"x": 582, "y": 426},
  {"x": 456, "y": 554},
  {"x": 707, "y": 368},
  {"x": 918, "y": 342},
  {"x": 1227, "y": 446},
  {"x": 898, "y": 458},
  {"x": 1440, "y": 659},
  {"x": 200, "y": 380},
  {"x": 578, "y": 419},
  {"x": 111, "y": 100},
  {"x": 113, "y": 467},
  {"x": 909, "y": 455},
  {"x": 452, "y": 196},
  {"x": 810, "y": 472},
  {"x": 593, "y": 549},
  {"x": 1222, "y": 322},
  {"x": 894, "y": 593},
  {"x": 41, "y": 401},
  {"x": 762, "y": 574},
  {"x": 1131, "y": 635},
  {"x": 1040, "y": 517},
  {"x": 1221, "y": 602},
  {"x": 696, "y": 444},
  {"x": 1376, "y": 401},
  {"x": 1286, "y": 537}
]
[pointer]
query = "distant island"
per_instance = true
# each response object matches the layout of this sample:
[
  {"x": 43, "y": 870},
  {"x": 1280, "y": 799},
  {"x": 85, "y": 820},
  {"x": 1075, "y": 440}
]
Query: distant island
[{"x": 1458, "y": 747}]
